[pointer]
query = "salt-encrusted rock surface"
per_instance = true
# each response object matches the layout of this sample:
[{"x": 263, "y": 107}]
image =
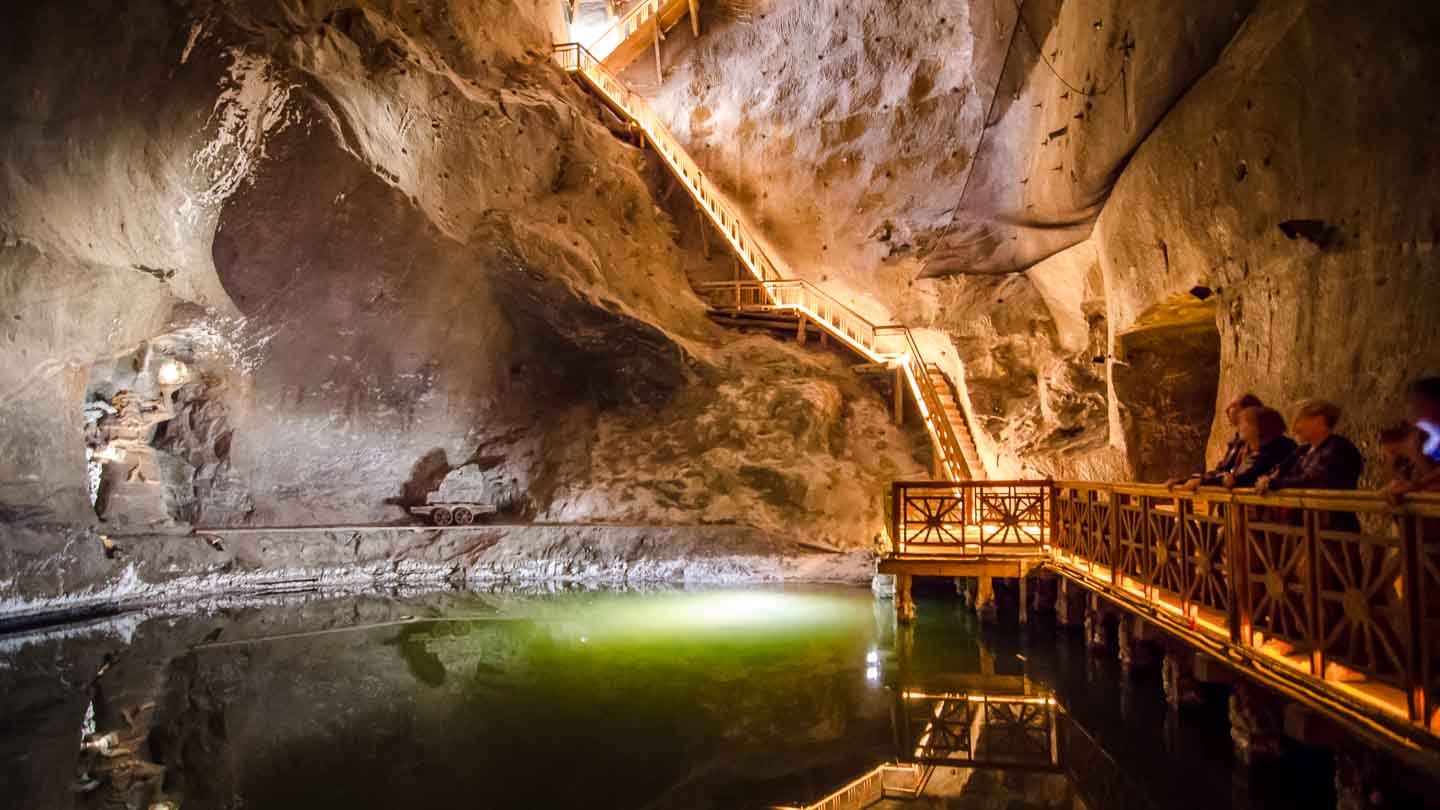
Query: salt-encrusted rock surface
[
  {"x": 387, "y": 239},
  {"x": 1273, "y": 161}
]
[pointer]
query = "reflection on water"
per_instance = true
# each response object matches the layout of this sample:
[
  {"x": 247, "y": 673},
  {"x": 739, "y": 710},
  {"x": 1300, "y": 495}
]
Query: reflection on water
[{"x": 685, "y": 699}]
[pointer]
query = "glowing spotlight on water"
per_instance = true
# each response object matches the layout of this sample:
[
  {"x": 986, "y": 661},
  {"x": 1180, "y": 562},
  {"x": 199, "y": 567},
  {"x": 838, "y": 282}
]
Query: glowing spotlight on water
[{"x": 750, "y": 613}]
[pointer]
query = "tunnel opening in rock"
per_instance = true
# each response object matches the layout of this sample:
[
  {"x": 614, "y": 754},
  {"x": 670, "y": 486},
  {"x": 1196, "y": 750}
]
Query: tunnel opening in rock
[
  {"x": 1166, "y": 377},
  {"x": 135, "y": 481}
]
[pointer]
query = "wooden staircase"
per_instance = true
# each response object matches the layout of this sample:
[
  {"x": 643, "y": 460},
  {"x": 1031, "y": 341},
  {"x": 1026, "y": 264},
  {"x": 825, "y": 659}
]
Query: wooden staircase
[
  {"x": 773, "y": 300},
  {"x": 955, "y": 415},
  {"x": 641, "y": 28}
]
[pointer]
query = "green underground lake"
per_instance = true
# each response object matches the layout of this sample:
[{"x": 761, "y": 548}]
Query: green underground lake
[{"x": 712, "y": 698}]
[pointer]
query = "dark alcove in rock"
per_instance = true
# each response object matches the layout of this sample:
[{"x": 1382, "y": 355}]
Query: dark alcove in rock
[{"x": 1166, "y": 381}]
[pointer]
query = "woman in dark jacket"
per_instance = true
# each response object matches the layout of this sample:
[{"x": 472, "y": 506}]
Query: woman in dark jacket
[{"x": 1266, "y": 447}]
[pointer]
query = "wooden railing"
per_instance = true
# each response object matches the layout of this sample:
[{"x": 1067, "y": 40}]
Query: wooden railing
[
  {"x": 969, "y": 518},
  {"x": 1342, "y": 586},
  {"x": 1336, "y": 591},
  {"x": 891, "y": 344}
]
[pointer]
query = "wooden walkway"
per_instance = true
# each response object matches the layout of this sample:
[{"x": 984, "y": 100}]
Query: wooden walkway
[{"x": 1332, "y": 598}]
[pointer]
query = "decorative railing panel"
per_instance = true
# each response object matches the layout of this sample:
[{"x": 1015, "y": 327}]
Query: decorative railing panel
[
  {"x": 969, "y": 517},
  {"x": 1204, "y": 579},
  {"x": 1341, "y": 586}
]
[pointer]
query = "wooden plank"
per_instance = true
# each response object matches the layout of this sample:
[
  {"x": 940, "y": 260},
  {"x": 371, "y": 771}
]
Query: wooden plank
[
  {"x": 959, "y": 568},
  {"x": 659, "y": 75}
]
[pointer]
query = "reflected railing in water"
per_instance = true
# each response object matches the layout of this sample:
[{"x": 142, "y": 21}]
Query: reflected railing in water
[{"x": 980, "y": 731}]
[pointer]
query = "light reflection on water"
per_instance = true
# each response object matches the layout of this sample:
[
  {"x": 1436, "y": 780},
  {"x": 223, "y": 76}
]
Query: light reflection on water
[{"x": 686, "y": 699}]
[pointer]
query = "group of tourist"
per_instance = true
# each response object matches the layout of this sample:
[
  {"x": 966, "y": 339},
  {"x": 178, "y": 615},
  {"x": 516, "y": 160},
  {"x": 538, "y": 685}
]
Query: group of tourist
[{"x": 1262, "y": 456}]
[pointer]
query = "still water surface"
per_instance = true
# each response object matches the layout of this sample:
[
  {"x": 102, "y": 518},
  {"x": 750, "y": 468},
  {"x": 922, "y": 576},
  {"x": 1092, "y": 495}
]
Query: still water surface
[{"x": 582, "y": 699}]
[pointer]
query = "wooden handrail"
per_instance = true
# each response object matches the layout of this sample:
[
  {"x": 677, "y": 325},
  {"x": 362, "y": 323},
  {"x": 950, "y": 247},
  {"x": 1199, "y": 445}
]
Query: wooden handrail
[
  {"x": 1308, "y": 589},
  {"x": 891, "y": 344}
]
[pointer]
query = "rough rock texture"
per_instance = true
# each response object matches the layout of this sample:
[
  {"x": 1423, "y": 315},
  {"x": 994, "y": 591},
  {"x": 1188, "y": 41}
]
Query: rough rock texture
[
  {"x": 387, "y": 240},
  {"x": 77, "y": 578},
  {"x": 1316, "y": 111},
  {"x": 1114, "y": 155}
]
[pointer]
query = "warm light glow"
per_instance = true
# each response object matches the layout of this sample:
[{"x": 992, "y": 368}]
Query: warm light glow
[
  {"x": 720, "y": 612},
  {"x": 109, "y": 453},
  {"x": 172, "y": 372}
]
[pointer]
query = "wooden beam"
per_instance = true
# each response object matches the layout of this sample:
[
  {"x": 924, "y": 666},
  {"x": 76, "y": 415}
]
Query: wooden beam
[
  {"x": 704, "y": 232},
  {"x": 868, "y": 368},
  {"x": 899, "y": 395},
  {"x": 659, "y": 76},
  {"x": 694, "y": 17},
  {"x": 800, "y": 330}
]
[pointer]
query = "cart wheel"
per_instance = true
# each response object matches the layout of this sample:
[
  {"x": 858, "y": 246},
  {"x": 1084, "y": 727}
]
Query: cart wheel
[
  {"x": 463, "y": 516},
  {"x": 442, "y": 517}
]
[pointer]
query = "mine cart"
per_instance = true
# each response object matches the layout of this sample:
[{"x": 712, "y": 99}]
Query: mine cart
[{"x": 459, "y": 501}]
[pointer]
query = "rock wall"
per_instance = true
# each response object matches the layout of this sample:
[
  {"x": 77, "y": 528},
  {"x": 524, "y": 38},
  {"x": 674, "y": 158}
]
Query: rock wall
[
  {"x": 1310, "y": 150},
  {"x": 386, "y": 240},
  {"x": 1106, "y": 157}
]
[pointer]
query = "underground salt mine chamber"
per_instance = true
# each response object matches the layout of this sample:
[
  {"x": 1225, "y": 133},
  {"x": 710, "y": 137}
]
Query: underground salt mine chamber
[{"x": 719, "y": 404}]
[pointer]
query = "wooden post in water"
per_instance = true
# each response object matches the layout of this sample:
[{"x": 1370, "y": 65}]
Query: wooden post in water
[
  {"x": 904, "y": 600},
  {"x": 985, "y": 599}
]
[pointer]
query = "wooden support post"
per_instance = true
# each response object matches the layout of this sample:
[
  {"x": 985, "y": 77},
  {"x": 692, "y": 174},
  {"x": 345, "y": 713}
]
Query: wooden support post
[
  {"x": 1311, "y": 573},
  {"x": 824, "y": 339},
  {"x": 1415, "y": 599},
  {"x": 800, "y": 330},
  {"x": 1238, "y": 562},
  {"x": 694, "y": 17},
  {"x": 904, "y": 600},
  {"x": 985, "y": 600},
  {"x": 659, "y": 76},
  {"x": 1024, "y": 598},
  {"x": 704, "y": 232},
  {"x": 899, "y": 395}
]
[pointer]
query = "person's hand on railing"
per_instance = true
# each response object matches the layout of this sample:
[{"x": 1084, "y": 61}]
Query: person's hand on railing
[
  {"x": 1395, "y": 491},
  {"x": 1189, "y": 485},
  {"x": 1262, "y": 484}
]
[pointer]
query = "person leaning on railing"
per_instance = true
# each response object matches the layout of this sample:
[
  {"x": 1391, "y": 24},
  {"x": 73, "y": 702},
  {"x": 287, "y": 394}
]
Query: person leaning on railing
[
  {"x": 1266, "y": 447},
  {"x": 1324, "y": 460},
  {"x": 1235, "y": 450},
  {"x": 1402, "y": 447}
]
